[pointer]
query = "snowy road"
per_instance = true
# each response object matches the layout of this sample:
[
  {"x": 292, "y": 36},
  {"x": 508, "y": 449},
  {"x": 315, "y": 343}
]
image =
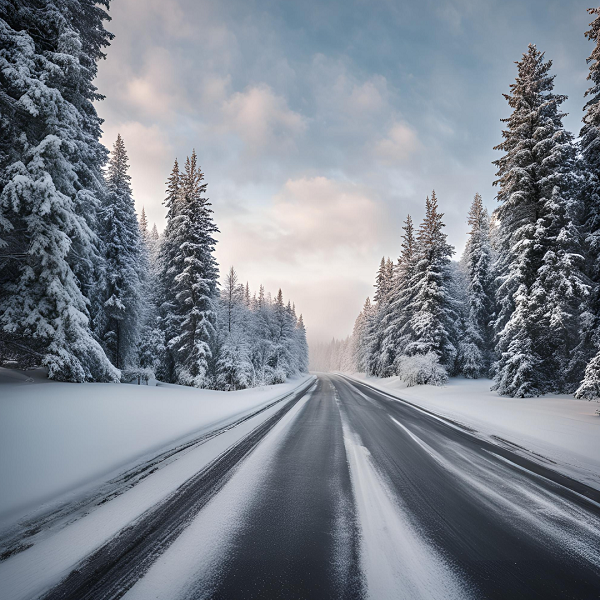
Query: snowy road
[{"x": 344, "y": 492}]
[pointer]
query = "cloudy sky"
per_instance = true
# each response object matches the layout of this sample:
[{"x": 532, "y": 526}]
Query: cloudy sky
[{"x": 319, "y": 125}]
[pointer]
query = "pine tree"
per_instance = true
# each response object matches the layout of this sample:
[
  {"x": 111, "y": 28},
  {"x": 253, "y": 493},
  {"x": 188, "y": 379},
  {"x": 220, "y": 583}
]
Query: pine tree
[
  {"x": 166, "y": 271},
  {"x": 475, "y": 348},
  {"x": 50, "y": 185},
  {"x": 539, "y": 277},
  {"x": 433, "y": 312},
  {"x": 194, "y": 273},
  {"x": 360, "y": 335},
  {"x": 590, "y": 166},
  {"x": 144, "y": 227},
  {"x": 380, "y": 355},
  {"x": 302, "y": 346},
  {"x": 124, "y": 263},
  {"x": 398, "y": 332}
]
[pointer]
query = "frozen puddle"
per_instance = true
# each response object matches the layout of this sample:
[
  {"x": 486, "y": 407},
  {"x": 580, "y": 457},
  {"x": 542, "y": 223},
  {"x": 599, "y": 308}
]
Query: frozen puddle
[{"x": 396, "y": 561}]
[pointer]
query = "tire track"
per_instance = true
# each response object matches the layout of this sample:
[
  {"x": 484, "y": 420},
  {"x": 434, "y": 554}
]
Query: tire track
[
  {"x": 113, "y": 569},
  {"x": 24, "y": 534}
]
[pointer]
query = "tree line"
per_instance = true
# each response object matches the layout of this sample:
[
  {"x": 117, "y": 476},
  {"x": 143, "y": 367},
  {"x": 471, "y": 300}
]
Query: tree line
[
  {"x": 522, "y": 305},
  {"x": 85, "y": 289}
]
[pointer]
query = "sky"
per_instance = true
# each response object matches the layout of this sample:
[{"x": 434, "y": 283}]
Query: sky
[{"x": 319, "y": 125}]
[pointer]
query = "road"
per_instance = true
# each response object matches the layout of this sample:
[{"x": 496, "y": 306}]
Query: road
[{"x": 346, "y": 492}]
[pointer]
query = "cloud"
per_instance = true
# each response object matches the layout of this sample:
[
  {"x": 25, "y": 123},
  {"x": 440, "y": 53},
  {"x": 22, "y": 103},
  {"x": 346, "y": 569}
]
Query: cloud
[
  {"x": 321, "y": 215},
  {"x": 401, "y": 141},
  {"x": 263, "y": 120}
]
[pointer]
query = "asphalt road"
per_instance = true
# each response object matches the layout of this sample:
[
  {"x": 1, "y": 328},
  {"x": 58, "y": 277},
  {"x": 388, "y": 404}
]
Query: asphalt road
[{"x": 368, "y": 496}]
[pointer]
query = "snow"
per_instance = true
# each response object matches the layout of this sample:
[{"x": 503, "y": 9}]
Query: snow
[
  {"x": 62, "y": 437},
  {"x": 398, "y": 562},
  {"x": 29, "y": 573},
  {"x": 558, "y": 427},
  {"x": 190, "y": 567}
]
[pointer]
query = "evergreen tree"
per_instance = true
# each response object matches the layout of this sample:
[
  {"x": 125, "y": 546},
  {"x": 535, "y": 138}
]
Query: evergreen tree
[
  {"x": 144, "y": 227},
  {"x": 398, "y": 332},
  {"x": 360, "y": 335},
  {"x": 125, "y": 264},
  {"x": 539, "y": 278},
  {"x": 433, "y": 311},
  {"x": 50, "y": 185},
  {"x": 476, "y": 344},
  {"x": 380, "y": 354},
  {"x": 194, "y": 274},
  {"x": 166, "y": 271},
  {"x": 301, "y": 346},
  {"x": 590, "y": 166}
]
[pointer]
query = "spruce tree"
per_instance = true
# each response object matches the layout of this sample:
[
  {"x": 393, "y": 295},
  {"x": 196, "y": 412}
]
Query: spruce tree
[
  {"x": 125, "y": 263},
  {"x": 433, "y": 311},
  {"x": 539, "y": 280},
  {"x": 302, "y": 346},
  {"x": 193, "y": 271},
  {"x": 588, "y": 352},
  {"x": 144, "y": 232},
  {"x": 398, "y": 332},
  {"x": 166, "y": 271},
  {"x": 476, "y": 344},
  {"x": 51, "y": 184},
  {"x": 360, "y": 335}
]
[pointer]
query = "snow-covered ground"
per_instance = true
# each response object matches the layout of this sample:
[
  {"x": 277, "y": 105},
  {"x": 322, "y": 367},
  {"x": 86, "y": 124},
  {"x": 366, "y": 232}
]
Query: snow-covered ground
[
  {"x": 61, "y": 438},
  {"x": 557, "y": 427}
]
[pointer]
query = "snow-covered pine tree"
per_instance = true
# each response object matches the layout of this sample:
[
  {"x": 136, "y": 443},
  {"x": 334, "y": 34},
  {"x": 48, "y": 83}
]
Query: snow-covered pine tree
[
  {"x": 476, "y": 344},
  {"x": 380, "y": 358},
  {"x": 283, "y": 332},
  {"x": 50, "y": 184},
  {"x": 125, "y": 264},
  {"x": 590, "y": 165},
  {"x": 144, "y": 231},
  {"x": 398, "y": 332},
  {"x": 234, "y": 365},
  {"x": 302, "y": 346},
  {"x": 433, "y": 313},
  {"x": 360, "y": 335},
  {"x": 151, "y": 346},
  {"x": 194, "y": 273},
  {"x": 540, "y": 285},
  {"x": 166, "y": 271}
]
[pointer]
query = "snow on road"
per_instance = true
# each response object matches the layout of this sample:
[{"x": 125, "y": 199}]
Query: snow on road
[
  {"x": 396, "y": 559},
  {"x": 191, "y": 565},
  {"x": 60, "y": 439},
  {"x": 557, "y": 427}
]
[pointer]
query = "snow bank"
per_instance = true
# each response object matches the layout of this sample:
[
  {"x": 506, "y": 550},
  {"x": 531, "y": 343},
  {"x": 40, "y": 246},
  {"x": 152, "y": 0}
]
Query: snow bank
[
  {"x": 58, "y": 437},
  {"x": 559, "y": 427}
]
